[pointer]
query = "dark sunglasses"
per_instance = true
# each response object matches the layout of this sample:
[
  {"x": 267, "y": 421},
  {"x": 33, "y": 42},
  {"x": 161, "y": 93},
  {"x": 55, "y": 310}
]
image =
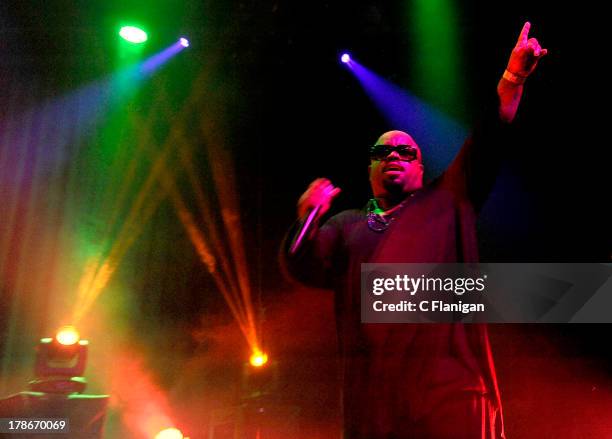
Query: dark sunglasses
[{"x": 406, "y": 153}]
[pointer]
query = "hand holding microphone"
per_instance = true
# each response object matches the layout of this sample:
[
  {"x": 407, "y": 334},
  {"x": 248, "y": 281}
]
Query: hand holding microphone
[
  {"x": 311, "y": 206},
  {"x": 319, "y": 195}
]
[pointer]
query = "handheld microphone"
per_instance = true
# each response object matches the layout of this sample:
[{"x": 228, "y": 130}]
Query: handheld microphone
[{"x": 304, "y": 229}]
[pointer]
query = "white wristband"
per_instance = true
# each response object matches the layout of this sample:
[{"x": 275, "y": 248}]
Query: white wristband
[{"x": 514, "y": 78}]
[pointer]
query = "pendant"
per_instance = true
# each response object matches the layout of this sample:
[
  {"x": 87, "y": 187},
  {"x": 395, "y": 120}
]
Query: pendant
[{"x": 377, "y": 223}]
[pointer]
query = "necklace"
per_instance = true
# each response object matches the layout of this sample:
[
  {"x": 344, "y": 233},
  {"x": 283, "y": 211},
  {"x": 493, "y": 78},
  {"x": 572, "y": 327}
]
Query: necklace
[{"x": 378, "y": 219}]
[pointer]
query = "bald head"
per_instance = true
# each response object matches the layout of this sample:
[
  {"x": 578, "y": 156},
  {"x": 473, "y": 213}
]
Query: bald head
[{"x": 393, "y": 177}]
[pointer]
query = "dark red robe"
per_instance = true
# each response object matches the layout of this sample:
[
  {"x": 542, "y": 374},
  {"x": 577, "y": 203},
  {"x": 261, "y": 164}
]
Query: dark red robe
[{"x": 395, "y": 374}]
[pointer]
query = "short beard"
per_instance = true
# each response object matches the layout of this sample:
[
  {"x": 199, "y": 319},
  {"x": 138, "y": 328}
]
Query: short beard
[
  {"x": 393, "y": 188},
  {"x": 395, "y": 191}
]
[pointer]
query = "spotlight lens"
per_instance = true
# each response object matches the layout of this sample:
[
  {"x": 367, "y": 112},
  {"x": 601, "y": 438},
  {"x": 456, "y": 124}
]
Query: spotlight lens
[
  {"x": 258, "y": 359},
  {"x": 169, "y": 433},
  {"x": 345, "y": 57},
  {"x": 184, "y": 42},
  {"x": 67, "y": 335},
  {"x": 133, "y": 34}
]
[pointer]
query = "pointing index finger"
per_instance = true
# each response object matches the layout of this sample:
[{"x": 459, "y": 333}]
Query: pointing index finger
[{"x": 524, "y": 36}]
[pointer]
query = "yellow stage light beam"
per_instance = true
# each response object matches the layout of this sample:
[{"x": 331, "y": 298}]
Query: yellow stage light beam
[
  {"x": 199, "y": 243},
  {"x": 205, "y": 255},
  {"x": 225, "y": 184},
  {"x": 206, "y": 215},
  {"x": 131, "y": 229},
  {"x": 224, "y": 276},
  {"x": 114, "y": 202},
  {"x": 138, "y": 215},
  {"x": 184, "y": 149}
]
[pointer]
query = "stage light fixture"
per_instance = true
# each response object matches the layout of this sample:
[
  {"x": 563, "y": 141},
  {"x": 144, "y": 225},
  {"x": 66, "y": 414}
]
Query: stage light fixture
[
  {"x": 67, "y": 335},
  {"x": 345, "y": 58},
  {"x": 57, "y": 390},
  {"x": 258, "y": 358},
  {"x": 133, "y": 34},
  {"x": 170, "y": 433},
  {"x": 184, "y": 42},
  {"x": 60, "y": 363}
]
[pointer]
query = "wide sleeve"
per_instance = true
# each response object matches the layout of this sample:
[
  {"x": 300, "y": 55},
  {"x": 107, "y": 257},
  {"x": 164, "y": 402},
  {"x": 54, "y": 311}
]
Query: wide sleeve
[
  {"x": 313, "y": 262},
  {"x": 474, "y": 170}
]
